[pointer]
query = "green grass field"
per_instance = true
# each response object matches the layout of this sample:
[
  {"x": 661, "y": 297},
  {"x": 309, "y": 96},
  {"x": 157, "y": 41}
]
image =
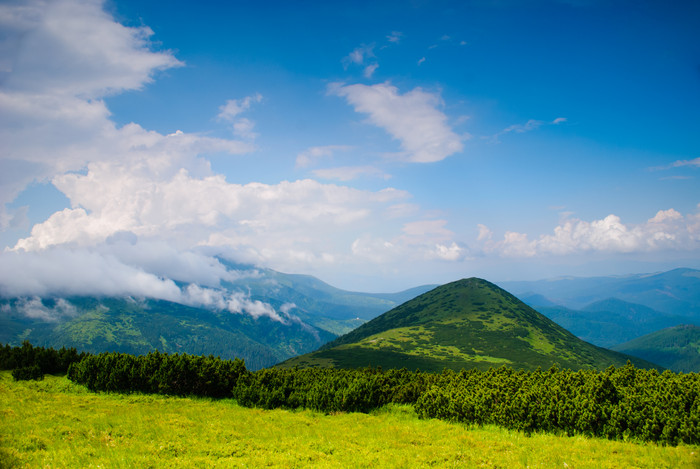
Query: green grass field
[{"x": 55, "y": 423}]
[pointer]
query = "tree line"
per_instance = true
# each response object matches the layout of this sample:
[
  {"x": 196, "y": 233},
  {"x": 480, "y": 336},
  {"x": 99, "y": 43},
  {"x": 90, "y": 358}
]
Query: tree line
[{"x": 618, "y": 403}]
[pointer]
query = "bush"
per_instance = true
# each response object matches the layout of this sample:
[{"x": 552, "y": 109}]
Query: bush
[
  {"x": 156, "y": 372},
  {"x": 27, "y": 373}
]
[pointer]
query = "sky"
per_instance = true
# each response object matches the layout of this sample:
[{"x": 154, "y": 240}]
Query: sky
[{"x": 375, "y": 145}]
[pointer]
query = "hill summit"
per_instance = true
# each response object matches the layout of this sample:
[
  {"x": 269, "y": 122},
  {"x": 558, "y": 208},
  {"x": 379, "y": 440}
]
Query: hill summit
[{"x": 470, "y": 323}]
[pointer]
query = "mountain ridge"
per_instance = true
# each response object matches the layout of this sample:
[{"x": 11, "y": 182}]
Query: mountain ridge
[{"x": 676, "y": 348}]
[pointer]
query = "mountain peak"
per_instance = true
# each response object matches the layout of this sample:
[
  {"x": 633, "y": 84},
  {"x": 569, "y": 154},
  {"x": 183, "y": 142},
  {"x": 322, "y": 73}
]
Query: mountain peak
[{"x": 463, "y": 324}]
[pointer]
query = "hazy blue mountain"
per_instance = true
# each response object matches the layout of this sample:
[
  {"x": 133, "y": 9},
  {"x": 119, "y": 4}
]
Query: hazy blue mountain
[
  {"x": 536, "y": 300},
  {"x": 610, "y": 322},
  {"x": 676, "y": 292},
  {"x": 676, "y": 348}
]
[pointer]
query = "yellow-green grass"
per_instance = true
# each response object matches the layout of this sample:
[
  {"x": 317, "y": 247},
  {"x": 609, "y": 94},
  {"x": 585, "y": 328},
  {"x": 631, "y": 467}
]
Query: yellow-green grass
[{"x": 54, "y": 423}]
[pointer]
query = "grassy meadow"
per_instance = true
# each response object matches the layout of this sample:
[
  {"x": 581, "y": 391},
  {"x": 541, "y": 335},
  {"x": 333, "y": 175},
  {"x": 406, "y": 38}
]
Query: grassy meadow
[{"x": 55, "y": 423}]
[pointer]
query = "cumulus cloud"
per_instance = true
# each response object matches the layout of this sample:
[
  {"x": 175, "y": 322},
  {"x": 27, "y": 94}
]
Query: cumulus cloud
[
  {"x": 453, "y": 252},
  {"x": 412, "y": 118},
  {"x": 59, "y": 60},
  {"x": 169, "y": 212},
  {"x": 667, "y": 230}
]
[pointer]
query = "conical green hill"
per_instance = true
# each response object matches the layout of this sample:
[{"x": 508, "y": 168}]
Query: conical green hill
[{"x": 469, "y": 323}]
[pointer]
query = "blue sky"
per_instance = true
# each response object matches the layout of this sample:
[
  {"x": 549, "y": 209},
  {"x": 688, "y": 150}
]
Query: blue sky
[{"x": 376, "y": 145}]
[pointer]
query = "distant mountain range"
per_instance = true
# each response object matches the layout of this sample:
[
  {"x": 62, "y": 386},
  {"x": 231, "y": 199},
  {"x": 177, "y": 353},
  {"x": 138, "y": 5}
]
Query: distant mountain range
[
  {"x": 676, "y": 292},
  {"x": 635, "y": 313},
  {"x": 470, "y": 323},
  {"x": 265, "y": 317},
  {"x": 610, "y": 322},
  {"x": 282, "y": 316}
]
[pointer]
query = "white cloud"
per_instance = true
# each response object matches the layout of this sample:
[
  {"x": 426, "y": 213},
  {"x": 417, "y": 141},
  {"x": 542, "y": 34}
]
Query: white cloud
[
  {"x": 234, "y": 302},
  {"x": 68, "y": 271},
  {"x": 290, "y": 225},
  {"x": 348, "y": 173},
  {"x": 59, "y": 59},
  {"x": 34, "y": 308},
  {"x": 453, "y": 252},
  {"x": 667, "y": 230},
  {"x": 412, "y": 118},
  {"x": 75, "y": 48}
]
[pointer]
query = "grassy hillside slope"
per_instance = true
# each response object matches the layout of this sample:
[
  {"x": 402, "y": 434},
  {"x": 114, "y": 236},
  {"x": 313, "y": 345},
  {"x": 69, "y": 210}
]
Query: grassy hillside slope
[
  {"x": 55, "y": 423},
  {"x": 676, "y": 348},
  {"x": 470, "y": 323}
]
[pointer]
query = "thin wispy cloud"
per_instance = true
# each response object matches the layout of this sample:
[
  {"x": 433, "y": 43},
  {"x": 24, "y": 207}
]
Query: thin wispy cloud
[
  {"x": 312, "y": 155},
  {"x": 530, "y": 125},
  {"x": 348, "y": 173},
  {"x": 369, "y": 70},
  {"x": 233, "y": 107},
  {"x": 412, "y": 118},
  {"x": 395, "y": 37},
  {"x": 359, "y": 55}
]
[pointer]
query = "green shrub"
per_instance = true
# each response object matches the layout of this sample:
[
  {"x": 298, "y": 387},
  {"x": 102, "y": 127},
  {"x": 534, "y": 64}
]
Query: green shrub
[{"x": 27, "y": 373}]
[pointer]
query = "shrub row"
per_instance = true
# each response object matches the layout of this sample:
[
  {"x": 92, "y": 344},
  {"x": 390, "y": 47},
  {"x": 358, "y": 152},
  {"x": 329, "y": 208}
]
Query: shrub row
[
  {"x": 29, "y": 362},
  {"x": 156, "y": 372},
  {"x": 619, "y": 403},
  {"x": 328, "y": 389}
]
